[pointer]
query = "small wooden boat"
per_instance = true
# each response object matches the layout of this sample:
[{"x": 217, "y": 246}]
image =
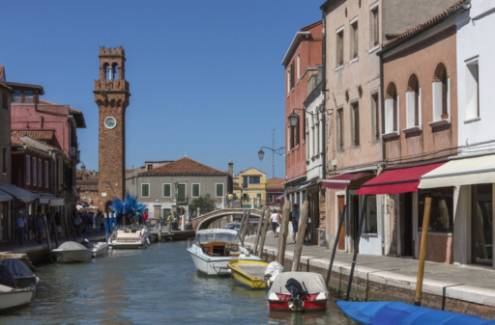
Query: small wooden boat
[
  {"x": 72, "y": 252},
  {"x": 397, "y": 313},
  {"x": 250, "y": 273},
  {"x": 298, "y": 291}
]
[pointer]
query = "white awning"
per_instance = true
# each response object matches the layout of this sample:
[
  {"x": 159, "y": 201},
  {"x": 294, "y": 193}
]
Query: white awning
[
  {"x": 19, "y": 193},
  {"x": 4, "y": 197},
  {"x": 466, "y": 171}
]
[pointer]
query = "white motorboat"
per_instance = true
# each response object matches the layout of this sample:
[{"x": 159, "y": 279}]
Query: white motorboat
[
  {"x": 72, "y": 252},
  {"x": 98, "y": 249},
  {"x": 213, "y": 249},
  {"x": 135, "y": 236},
  {"x": 17, "y": 284}
]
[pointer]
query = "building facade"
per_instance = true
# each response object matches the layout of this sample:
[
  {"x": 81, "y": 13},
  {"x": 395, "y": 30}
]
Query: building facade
[
  {"x": 172, "y": 187},
  {"x": 355, "y": 33},
  {"x": 303, "y": 56},
  {"x": 250, "y": 188},
  {"x": 274, "y": 193}
]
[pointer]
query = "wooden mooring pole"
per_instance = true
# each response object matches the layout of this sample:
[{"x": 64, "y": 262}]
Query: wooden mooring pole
[
  {"x": 301, "y": 233},
  {"x": 336, "y": 244},
  {"x": 422, "y": 251},
  {"x": 264, "y": 230},
  {"x": 258, "y": 231},
  {"x": 244, "y": 226},
  {"x": 360, "y": 226},
  {"x": 284, "y": 229}
]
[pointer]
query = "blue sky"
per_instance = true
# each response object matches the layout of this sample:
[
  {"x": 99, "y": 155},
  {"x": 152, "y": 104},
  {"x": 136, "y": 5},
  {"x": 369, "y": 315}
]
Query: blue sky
[{"x": 206, "y": 76}]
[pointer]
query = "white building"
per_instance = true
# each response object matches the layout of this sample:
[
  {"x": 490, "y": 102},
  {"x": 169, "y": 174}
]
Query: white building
[{"x": 472, "y": 172}]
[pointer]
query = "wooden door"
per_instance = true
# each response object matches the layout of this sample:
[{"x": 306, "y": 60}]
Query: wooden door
[
  {"x": 156, "y": 211},
  {"x": 341, "y": 206}
]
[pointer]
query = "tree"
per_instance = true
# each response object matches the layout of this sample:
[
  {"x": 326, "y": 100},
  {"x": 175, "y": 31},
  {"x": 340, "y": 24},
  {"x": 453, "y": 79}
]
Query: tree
[{"x": 204, "y": 203}]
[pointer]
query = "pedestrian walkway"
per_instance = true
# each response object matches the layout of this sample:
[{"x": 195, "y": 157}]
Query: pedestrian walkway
[{"x": 466, "y": 283}]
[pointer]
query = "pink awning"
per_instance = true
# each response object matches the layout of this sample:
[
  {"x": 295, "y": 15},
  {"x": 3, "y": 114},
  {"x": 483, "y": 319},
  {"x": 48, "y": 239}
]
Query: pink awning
[
  {"x": 396, "y": 181},
  {"x": 341, "y": 182}
]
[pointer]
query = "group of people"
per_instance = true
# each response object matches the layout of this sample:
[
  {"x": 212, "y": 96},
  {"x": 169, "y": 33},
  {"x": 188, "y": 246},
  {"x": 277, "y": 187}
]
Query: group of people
[
  {"x": 86, "y": 222},
  {"x": 37, "y": 226},
  {"x": 276, "y": 219}
]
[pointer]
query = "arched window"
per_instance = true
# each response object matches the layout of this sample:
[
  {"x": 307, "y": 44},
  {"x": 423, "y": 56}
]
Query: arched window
[
  {"x": 391, "y": 107},
  {"x": 413, "y": 102},
  {"x": 441, "y": 93},
  {"x": 115, "y": 71},
  {"x": 108, "y": 72}
]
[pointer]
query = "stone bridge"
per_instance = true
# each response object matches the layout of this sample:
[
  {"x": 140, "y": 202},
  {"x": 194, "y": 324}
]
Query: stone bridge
[{"x": 205, "y": 220}]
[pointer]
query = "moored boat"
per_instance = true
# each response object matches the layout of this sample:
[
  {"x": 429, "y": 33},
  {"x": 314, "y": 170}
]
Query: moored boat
[
  {"x": 98, "y": 249},
  {"x": 213, "y": 249},
  {"x": 72, "y": 252},
  {"x": 298, "y": 291},
  {"x": 397, "y": 313},
  {"x": 250, "y": 273},
  {"x": 130, "y": 237},
  {"x": 17, "y": 284}
]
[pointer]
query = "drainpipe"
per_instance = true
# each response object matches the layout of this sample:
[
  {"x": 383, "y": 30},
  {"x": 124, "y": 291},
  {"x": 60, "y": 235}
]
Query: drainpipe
[
  {"x": 382, "y": 126},
  {"x": 324, "y": 89}
]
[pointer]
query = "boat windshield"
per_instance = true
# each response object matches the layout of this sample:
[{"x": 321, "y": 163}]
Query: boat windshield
[{"x": 216, "y": 236}]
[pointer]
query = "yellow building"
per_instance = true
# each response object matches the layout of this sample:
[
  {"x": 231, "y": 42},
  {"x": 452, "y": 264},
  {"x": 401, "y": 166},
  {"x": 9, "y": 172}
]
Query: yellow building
[{"x": 250, "y": 185}]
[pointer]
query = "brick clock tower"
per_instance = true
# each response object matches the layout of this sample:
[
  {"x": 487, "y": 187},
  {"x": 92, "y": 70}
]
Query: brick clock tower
[{"x": 112, "y": 97}]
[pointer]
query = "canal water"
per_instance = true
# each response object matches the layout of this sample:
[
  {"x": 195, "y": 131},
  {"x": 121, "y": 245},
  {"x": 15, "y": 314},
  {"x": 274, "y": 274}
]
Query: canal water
[{"x": 158, "y": 285}]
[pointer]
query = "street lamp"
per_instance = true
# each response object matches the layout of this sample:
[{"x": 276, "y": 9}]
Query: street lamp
[{"x": 293, "y": 119}]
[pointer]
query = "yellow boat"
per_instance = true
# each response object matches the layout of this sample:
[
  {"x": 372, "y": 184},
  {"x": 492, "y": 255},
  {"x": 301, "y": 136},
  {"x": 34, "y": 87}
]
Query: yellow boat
[{"x": 249, "y": 273}]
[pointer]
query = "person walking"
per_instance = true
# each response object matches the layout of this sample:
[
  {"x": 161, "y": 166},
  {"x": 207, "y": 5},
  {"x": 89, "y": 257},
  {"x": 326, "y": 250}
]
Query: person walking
[
  {"x": 20, "y": 223},
  {"x": 295, "y": 220},
  {"x": 274, "y": 219}
]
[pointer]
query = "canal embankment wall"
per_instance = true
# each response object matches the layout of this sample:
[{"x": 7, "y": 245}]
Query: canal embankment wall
[{"x": 390, "y": 279}]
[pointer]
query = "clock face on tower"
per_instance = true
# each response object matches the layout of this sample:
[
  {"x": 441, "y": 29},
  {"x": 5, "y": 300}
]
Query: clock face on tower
[{"x": 110, "y": 122}]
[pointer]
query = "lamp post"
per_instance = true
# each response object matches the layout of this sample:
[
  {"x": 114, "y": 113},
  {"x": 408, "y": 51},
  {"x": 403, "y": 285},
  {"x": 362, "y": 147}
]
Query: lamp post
[{"x": 275, "y": 151}]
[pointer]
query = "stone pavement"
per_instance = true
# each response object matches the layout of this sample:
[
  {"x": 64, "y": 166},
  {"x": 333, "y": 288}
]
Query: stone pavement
[{"x": 467, "y": 283}]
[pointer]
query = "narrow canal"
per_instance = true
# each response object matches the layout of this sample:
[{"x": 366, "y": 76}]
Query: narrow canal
[{"x": 158, "y": 285}]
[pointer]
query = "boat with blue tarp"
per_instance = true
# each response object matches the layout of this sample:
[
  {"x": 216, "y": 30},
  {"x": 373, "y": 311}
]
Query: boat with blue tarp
[{"x": 398, "y": 313}]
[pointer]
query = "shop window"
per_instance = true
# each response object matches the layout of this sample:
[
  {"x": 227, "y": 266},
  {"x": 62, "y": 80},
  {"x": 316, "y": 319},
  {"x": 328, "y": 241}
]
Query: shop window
[
  {"x": 371, "y": 221},
  {"x": 481, "y": 224},
  {"x": 441, "y": 218}
]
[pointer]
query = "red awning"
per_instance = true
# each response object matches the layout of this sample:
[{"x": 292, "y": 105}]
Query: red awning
[
  {"x": 396, "y": 181},
  {"x": 341, "y": 182}
]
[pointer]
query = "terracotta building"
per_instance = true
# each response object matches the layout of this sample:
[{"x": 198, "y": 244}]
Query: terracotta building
[
  {"x": 112, "y": 94},
  {"x": 87, "y": 189},
  {"x": 303, "y": 56}
]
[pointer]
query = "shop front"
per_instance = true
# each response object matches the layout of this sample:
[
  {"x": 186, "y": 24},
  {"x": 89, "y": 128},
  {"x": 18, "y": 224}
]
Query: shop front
[
  {"x": 396, "y": 192},
  {"x": 470, "y": 182},
  {"x": 342, "y": 200}
]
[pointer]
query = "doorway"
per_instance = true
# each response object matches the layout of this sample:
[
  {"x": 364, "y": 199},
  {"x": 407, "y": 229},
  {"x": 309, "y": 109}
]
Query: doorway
[
  {"x": 406, "y": 224},
  {"x": 156, "y": 211},
  {"x": 341, "y": 207}
]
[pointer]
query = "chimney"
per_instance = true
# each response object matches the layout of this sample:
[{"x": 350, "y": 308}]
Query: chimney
[
  {"x": 230, "y": 170},
  {"x": 2, "y": 73}
]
